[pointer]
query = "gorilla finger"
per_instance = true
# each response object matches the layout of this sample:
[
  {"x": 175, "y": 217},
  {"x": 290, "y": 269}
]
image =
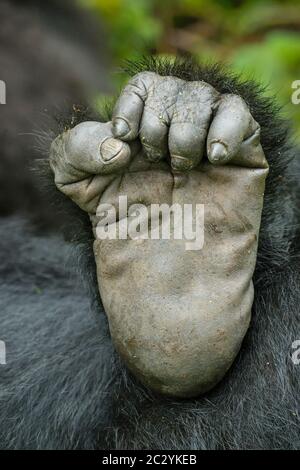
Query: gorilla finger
[
  {"x": 190, "y": 122},
  {"x": 130, "y": 106},
  {"x": 87, "y": 149},
  {"x": 231, "y": 125},
  {"x": 154, "y": 136}
]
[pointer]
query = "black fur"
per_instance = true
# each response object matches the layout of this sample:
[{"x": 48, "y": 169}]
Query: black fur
[
  {"x": 64, "y": 387},
  {"x": 49, "y": 52}
]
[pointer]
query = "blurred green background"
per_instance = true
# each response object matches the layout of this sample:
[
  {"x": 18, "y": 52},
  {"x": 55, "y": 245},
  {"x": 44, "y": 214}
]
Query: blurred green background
[{"x": 259, "y": 39}]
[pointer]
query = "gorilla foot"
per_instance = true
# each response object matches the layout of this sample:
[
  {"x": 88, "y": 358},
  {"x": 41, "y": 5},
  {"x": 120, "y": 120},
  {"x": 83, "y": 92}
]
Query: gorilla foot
[{"x": 177, "y": 316}]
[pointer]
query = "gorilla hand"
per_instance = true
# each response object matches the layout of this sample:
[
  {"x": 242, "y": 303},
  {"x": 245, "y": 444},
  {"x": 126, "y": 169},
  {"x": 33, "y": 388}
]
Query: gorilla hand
[{"x": 177, "y": 317}]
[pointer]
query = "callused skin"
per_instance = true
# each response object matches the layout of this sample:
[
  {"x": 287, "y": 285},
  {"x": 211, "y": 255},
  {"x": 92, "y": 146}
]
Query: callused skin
[{"x": 177, "y": 317}]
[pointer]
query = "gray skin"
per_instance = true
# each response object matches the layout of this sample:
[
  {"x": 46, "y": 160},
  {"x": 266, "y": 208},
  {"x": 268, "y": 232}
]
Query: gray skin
[{"x": 177, "y": 317}]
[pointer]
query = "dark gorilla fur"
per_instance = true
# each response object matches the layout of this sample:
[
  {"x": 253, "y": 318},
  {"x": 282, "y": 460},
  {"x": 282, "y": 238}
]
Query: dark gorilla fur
[
  {"x": 49, "y": 51},
  {"x": 65, "y": 388}
]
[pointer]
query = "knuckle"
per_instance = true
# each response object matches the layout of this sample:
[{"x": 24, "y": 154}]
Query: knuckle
[{"x": 141, "y": 83}]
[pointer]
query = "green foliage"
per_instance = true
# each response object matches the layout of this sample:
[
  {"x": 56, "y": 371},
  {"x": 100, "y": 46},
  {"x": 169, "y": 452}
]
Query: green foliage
[
  {"x": 261, "y": 39},
  {"x": 131, "y": 25},
  {"x": 276, "y": 63}
]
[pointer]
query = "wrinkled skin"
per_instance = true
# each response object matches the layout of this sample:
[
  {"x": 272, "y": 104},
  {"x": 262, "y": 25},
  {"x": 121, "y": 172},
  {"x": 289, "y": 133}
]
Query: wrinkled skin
[{"x": 177, "y": 317}]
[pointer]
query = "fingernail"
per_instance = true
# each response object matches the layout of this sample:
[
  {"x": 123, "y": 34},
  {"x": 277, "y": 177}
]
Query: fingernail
[
  {"x": 218, "y": 152},
  {"x": 120, "y": 127},
  {"x": 110, "y": 149}
]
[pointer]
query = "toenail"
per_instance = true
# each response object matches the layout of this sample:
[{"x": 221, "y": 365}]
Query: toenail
[
  {"x": 180, "y": 163},
  {"x": 153, "y": 154},
  {"x": 110, "y": 149},
  {"x": 218, "y": 152},
  {"x": 120, "y": 127}
]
